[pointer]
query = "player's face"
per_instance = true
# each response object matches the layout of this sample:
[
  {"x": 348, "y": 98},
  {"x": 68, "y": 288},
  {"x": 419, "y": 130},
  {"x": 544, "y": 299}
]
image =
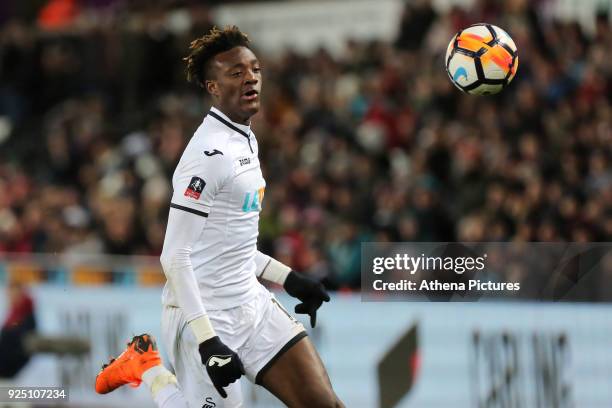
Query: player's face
[{"x": 237, "y": 83}]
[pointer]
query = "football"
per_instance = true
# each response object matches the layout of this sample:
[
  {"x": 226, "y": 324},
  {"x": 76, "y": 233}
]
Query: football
[{"x": 481, "y": 59}]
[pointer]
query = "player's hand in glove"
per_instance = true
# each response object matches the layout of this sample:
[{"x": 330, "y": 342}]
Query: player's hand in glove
[
  {"x": 310, "y": 292},
  {"x": 222, "y": 363}
]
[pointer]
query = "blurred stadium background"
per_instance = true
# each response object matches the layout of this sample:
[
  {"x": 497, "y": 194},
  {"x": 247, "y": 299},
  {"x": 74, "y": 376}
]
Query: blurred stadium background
[{"x": 363, "y": 138}]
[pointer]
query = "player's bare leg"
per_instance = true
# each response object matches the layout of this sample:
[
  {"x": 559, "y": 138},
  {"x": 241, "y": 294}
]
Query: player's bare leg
[{"x": 299, "y": 379}]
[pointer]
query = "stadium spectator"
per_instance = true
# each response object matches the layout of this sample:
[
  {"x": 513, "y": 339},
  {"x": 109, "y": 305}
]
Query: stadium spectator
[{"x": 19, "y": 323}]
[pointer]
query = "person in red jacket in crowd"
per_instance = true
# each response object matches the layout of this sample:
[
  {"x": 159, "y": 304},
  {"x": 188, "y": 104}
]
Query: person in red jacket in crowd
[{"x": 19, "y": 322}]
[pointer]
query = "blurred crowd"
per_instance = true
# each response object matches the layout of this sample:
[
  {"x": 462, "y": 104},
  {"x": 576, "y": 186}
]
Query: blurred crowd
[{"x": 375, "y": 144}]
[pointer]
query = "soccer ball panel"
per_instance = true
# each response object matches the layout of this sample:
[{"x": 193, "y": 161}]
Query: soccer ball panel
[
  {"x": 513, "y": 69},
  {"x": 496, "y": 62},
  {"x": 486, "y": 89},
  {"x": 504, "y": 38},
  {"x": 474, "y": 38},
  {"x": 479, "y": 32},
  {"x": 478, "y": 29},
  {"x": 461, "y": 70}
]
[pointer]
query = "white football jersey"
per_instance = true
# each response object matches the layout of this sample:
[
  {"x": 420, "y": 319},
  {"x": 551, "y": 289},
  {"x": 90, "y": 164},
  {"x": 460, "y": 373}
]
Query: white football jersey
[{"x": 219, "y": 177}]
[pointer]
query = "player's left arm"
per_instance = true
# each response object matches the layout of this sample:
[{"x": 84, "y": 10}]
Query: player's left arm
[{"x": 310, "y": 292}]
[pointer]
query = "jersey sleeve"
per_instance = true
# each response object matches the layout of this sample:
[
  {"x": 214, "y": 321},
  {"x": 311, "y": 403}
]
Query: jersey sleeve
[
  {"x": 182, "y": 232},
  {"x": 197, "y": 182}
]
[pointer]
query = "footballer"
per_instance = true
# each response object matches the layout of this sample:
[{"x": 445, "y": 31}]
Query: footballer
[{"x": 218, "y": 321}]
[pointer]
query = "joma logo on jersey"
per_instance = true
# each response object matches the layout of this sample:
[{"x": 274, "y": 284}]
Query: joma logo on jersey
[{"x": 252, "y": 200}]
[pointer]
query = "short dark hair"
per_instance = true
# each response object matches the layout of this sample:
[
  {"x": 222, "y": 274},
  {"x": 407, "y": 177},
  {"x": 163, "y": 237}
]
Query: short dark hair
[{"x": 204, "y": 49}]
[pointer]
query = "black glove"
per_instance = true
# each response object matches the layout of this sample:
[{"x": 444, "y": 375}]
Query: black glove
[
  {"x": 222, "y": 363},
  {"x": 309, "y": 291}
]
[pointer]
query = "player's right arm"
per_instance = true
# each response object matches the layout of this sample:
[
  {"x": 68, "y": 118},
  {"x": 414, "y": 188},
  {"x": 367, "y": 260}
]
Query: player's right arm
[{"x": 195, "y": 186}]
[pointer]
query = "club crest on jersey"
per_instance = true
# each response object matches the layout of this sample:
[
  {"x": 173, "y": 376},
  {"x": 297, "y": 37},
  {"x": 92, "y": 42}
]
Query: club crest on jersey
[{"x": 195, "y": 188}]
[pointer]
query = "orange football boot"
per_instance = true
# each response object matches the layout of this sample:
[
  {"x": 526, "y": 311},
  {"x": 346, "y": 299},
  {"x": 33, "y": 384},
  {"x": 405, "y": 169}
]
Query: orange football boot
[{"x": 140, "y": 355}]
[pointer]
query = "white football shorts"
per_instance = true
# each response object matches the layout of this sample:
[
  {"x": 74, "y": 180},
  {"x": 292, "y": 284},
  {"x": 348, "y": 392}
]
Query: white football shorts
[{"x": 259, "y": 331}]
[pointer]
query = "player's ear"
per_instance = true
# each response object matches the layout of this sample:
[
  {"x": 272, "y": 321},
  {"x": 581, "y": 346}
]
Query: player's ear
[{"x": 212, "y": 87}]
